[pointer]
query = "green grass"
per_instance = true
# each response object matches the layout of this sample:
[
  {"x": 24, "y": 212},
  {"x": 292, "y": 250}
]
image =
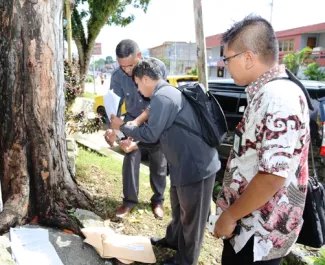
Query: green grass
[
  {"x": 101, "y": 176},
  {"x": 88, "y": 95}
]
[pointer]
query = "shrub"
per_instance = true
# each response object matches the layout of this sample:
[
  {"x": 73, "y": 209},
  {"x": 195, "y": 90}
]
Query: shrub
[
  {"x": 193, "y": 71},
  {"x": 89, "y": 79},
  {"x": 314, "y": 72},
  {"x": 320, "y": 260},
  {"x": 77, "y": 122}
]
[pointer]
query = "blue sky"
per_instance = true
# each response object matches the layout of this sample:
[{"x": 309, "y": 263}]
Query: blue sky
[{"x": 173, "y": 20}]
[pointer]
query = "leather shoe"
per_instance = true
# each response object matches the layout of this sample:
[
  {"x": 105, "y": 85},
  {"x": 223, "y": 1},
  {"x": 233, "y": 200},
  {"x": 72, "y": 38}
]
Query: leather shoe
[
  {"x": 123, "y": 211},
  {"x": 158, "y": 211},
  {"x": 170, "y": 261},
  {"x": 161, "y": 242}
]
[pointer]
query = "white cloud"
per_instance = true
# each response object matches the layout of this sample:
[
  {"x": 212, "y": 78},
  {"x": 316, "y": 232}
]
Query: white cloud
[{"x": 173, "y": 20}]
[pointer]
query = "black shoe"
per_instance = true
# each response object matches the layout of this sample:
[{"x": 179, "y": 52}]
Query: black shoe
[
  {"x": 170, "y": 261},
  {"x": 161, "y": 242}
]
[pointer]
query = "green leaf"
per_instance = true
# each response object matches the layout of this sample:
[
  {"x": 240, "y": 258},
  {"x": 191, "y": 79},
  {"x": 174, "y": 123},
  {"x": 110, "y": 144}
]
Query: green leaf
[{"x": 322, "y": 252}]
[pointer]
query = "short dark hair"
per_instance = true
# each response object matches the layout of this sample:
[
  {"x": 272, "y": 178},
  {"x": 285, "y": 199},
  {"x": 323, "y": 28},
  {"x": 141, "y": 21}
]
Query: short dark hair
[
  {"x": 148, "y": 67},
  {"x": 256, "y": 34},
  {"x": 126, "y": 48}
]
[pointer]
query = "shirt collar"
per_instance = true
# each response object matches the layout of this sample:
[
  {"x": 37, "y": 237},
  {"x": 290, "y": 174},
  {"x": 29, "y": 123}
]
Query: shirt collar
[
  {"x": 160, "y": 84},
  {"x": 269, "y": 75}
]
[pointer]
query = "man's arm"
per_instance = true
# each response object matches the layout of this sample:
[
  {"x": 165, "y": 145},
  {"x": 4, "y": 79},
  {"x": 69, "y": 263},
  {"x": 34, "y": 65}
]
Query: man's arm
[
  {"x": 162, "y": 111},
  {"x": 258, "y": 192},
  {"x": 142, "y": 118}
]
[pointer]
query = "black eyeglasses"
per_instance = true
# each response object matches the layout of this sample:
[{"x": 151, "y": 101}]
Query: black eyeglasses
[{"x": 226, "y": 60}]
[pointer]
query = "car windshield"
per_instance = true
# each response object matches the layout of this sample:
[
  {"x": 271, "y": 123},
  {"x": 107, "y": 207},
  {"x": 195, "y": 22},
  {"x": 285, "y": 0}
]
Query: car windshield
[{"x": 186, "y": 82}]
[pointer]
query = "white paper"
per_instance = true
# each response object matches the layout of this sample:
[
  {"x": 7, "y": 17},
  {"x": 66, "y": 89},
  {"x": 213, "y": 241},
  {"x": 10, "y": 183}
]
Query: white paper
[
  {"x": 212, "y": 222},
  {"x": 31, "y": 246},
  {"x": 111, "y": 103}
]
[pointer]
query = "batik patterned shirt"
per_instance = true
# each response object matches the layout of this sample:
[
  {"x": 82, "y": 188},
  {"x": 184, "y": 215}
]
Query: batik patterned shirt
[{"x": 274, "y": 139}]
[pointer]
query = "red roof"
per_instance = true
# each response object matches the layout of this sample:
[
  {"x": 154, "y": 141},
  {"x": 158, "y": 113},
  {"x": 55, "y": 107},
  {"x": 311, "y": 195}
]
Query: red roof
[
  {"x": 302, "y": 30},
  {"x": 215, "y": 40}
]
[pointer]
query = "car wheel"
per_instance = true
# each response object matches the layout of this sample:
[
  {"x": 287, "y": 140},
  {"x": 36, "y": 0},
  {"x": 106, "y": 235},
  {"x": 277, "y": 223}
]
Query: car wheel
[{"x": 102, "y": 112}]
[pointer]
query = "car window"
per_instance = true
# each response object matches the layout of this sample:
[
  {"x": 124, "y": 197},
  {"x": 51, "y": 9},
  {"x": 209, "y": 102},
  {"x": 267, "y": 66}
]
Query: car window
[
  {"x": 312, "y": 93},
  {"x": 228, "y": 101},
  {"x": 186, "y": 82},
  {"x": 321, "y": 94}
]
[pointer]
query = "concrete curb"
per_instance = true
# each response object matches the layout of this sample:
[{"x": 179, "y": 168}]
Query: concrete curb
[{"x": 96, "y": 142}]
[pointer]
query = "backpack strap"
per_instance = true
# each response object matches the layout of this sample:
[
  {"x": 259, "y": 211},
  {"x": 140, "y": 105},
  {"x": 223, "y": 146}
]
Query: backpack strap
[
  {"x": 294, "y": 79},
  {"x": 181, "y": 125}
]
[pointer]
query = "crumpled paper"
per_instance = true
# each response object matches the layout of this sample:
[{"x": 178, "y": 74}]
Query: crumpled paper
[{"x": 125, "y": 248}]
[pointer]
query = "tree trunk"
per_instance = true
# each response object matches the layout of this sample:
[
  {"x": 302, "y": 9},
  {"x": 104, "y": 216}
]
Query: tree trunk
[
  {"x": 84, "y": 60},
  {"x": 34, "y": 171},
  {"x": 82, "y": 71}
]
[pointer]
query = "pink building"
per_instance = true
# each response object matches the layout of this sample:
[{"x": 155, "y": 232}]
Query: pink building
[{"x": 290, "y": 40}]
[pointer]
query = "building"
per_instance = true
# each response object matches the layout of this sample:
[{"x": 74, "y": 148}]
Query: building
[
  {"x": 290, "y": 40},
  {"x": 178, "y": 56}
]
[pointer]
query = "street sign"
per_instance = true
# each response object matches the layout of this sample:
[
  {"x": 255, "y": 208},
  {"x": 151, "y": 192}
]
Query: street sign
[{"x": 97, "y": 50}]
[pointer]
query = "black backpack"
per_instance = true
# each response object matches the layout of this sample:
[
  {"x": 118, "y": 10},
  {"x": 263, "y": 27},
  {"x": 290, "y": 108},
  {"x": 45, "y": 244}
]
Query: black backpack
[
  {"x": 210, "y": 115},
  {"x": 313, "y": 229}
]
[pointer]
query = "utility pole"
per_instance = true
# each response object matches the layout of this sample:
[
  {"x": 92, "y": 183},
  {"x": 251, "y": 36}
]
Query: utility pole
[
  {"x": 200, "y": 43},
  {"x": 69, "y": 28},
  {"x": 271, "y": 4},
  {"x": 175, "y": 58}
]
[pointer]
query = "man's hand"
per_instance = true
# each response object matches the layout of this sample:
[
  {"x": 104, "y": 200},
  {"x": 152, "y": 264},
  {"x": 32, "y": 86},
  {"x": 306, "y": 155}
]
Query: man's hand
[
  {"x": 116, "y": 122},
  {"x": 128, "y": 145},
  {"x": 225, "y": 226},
  {"x": 110, "y": 137},
  {"x": 133, "y": 123}
]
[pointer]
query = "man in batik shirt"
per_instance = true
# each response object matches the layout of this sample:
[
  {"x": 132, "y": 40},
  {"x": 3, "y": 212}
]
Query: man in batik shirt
[{"x": 265, "y": 183}]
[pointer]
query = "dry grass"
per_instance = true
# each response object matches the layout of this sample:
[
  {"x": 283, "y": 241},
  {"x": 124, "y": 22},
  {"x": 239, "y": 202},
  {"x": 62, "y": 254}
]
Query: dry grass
[{"x": 101, "y": 176}]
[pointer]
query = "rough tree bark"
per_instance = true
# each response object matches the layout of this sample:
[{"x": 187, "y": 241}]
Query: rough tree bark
[{"x": 33, "y": 158}]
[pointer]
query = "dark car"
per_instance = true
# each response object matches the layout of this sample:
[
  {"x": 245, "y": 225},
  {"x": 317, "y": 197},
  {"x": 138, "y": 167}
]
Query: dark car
[{"x": 232, "y": 99}]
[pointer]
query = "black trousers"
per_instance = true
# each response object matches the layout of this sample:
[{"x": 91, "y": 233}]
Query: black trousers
[
  {"x": 190, "y": 208},
  {"x": 158, "y": 171},
  {"x": 243, "y": 257}
]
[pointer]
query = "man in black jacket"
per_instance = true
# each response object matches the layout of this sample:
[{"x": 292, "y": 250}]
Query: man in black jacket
[{"x": 193, "y": 163}]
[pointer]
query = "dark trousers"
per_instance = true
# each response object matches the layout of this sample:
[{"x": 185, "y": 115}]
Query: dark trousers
[
  {"x": 243, "y": 257},
  {"x": 130, "y": 172},
  {"x": 190, "y": 208}
]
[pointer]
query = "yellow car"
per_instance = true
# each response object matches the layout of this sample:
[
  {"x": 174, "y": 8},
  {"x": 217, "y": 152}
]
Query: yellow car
[{"x": 174, "y": 80}]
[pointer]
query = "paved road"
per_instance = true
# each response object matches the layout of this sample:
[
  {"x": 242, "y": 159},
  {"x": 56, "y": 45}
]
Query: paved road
[{"x": 98, "y": 88}]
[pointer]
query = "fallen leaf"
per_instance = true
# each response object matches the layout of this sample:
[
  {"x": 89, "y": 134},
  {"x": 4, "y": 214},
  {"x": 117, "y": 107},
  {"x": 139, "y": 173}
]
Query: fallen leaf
[
  {"x": 68, "y": 231},
  {"x": 34, "y": 221}
]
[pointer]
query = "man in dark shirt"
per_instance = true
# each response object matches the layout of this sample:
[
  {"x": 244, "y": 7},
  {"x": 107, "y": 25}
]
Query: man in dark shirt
[
  {"x": 137, "y": 107},
  {"x": 193, "y": 163}
]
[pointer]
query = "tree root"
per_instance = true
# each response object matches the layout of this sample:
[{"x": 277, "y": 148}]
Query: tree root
[{"x": 10, "y": 218}]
